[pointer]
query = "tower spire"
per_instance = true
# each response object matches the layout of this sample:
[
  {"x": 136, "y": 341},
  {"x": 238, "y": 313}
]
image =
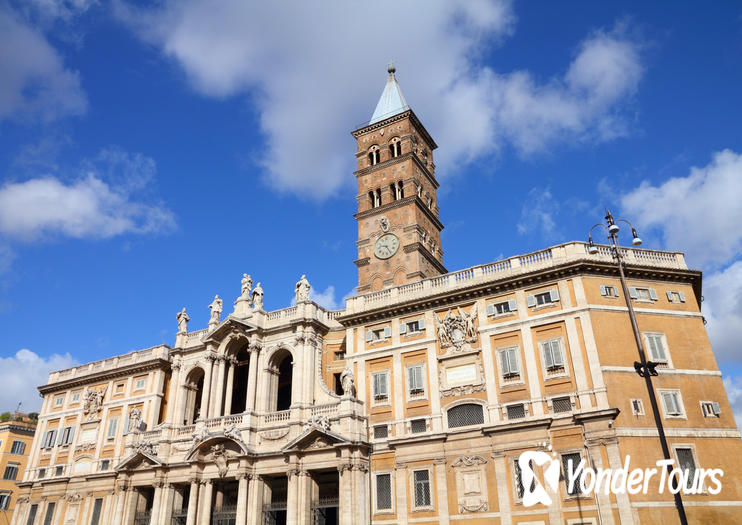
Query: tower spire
[{"x": 391, "y": 102}]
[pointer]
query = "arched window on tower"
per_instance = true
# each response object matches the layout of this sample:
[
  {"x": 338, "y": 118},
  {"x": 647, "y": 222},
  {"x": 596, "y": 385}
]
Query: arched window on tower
[
  {"x": 393, "y": 191},
  {"x": 400, "y": 190},
  {"x": 377, "y": 201},
  {"x": 395, "y": 147},
  {"x": 373, "y": 155},
  {"x": 372, "y": 198}
]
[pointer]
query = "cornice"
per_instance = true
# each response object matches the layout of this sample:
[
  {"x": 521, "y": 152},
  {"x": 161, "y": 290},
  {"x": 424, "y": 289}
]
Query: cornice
[
  {"x": 395, "y": 118},
  {"x": 518, "y": 281},
  {"x": 420, "y": 247},
  {"x": 103, "y": 375},
  {"x": 398, "y": 160},
  {"x": 397, "y": 204}
]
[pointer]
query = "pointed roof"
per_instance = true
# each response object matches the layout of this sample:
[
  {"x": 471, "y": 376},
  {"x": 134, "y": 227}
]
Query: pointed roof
[{"x": 392, "y": 101}]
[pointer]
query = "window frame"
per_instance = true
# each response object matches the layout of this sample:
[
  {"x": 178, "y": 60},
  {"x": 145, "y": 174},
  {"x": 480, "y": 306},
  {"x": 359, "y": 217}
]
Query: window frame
[
  {"x": 465, "y": 402},
  {"x": 714, "y": 406},
  {"x": 517, "y": 378},
  {"x": 555, "y": 371},
  {"x": 22, "y": 447},
  {"x": 377, "y": 400},
  {"x": 565, "y": 480},
  {"x": 508, "y": 306},
  {"x": 406, "y": 331},
  {"x": 375, "y": 492},
  {"x": 568, "y": 397},
  {"x": 8, "y": 466},
  {"x": 415, "y": 420},
  {"x": 667, "y": 362},
  {"x": 137, "y": 380},
  {"x": 59, "y": 401},
  {"x": 75, "y": 397},
  {"x": 413, "y": 489},
  {"x": 679, "y": 401},
  {"x": 382, "y": 425},
  {"x": 635, "y": 412},
  {"x": 609, "y": 291},
  {"x": 423, "y": 395},
  {"x": 509, "y": 406},
  {"x": 5, "y": 499},
  {"x": 696, "y": 463},
  {"x": 636, "y": 292},
  {"x": 518, "y": 473},
  {"x": 675, "y": 296},
  {"x": 113, "y": 421}
]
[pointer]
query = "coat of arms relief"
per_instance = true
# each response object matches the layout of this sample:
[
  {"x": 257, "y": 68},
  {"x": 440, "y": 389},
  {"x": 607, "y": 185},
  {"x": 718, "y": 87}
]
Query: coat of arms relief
[{"x": 457, "y": 331}]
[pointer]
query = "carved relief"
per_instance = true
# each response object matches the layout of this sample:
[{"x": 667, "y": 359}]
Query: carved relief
[
  {"x": 220, "y": 457},
  {"x": 462, "y": 390},
  {"x": 275, "y": 434},
  {"x": 471, "y": 484},
  {"x": 468, "y": 461},
  {"x": 146, "y": 447},
  {"x": 457, "y": 331},
  {"x": 319, "y": 421},
  {"x": 93, "y": 403}
]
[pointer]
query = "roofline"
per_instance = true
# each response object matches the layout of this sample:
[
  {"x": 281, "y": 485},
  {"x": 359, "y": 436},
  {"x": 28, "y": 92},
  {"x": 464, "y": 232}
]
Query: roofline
[{"x": 399, "y": 116}]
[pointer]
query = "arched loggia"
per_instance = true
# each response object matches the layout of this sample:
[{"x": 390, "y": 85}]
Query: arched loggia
[
  {"x": 194, "y": 387},
  {"x": 281, "y": 368}
]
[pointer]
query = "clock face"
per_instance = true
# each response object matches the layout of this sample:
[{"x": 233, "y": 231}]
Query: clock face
[{"x": 386, "y": 246}]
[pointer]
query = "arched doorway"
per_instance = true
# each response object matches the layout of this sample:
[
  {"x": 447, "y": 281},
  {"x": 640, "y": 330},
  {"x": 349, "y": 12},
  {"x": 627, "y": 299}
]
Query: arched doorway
[
  {"x": 194, "y": 396},
  {"x": 239, "y": 384},
  {"x": 281, "y": 374}
]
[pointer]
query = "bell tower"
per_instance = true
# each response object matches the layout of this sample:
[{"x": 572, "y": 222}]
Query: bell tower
[{"x": 399, "y": 233}]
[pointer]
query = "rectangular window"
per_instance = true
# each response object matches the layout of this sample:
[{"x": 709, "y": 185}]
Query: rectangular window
[
  {"x": 105, "y": 465},
  {"x": 502, "y": 308},
  {"x": 383, "y": 492},
  {"x": 97, "y": 506},
  {"x": 381, "y": 386},
  {"x": 381, "y": 431},
  {"x": 509, "y": 363},
  {"x": 4, "y": 501},
  {"x": 112, "y": 425},
  {"x": 41, "y": 473},
  {"x": 140, "y": 384},
  {"x": 569, "y": 463},
  {"x": 75, "y": 398},
  {"x": 675, "y": 297},
  {"x": 49, "y": 513},
  {"x": 58, "y": 401},
  {"x": 562, "y": 404},
  {"x": 415, "y": 381},
  {"x": 49, "y": 439},
  {"x": 378, "y": 334},
  {"x": 11, "y": 471},
  {"x": 412, "y": 327},
  {"x": 608, "y": 291},
  {"x": 687, "y": 464},
  {"x": 543, "y": 298},
  {"x": 19, "y": 447},
  {"x": 65, "y": 437},
  {"x": 672, "y": 403},
  {"x": 32, "y": 514},
  {"x": 418, "y": 426},
  {"x": 516, "y": 411},
  {"x": 59, "y": 471},
  {"x": 643, "y": 294},
  {"x": 710, "y": 409},
  {"x": 422, "y": 488},
  {"x": 519, "y": 487},
  {"x": 637, "y": 407},
  {"x": 553, "y": 355},
  {"x": 656, "y": 348}
]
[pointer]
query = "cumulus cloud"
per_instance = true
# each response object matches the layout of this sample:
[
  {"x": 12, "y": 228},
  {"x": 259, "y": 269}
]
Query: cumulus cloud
[
  {"x": 25, "y": 371},
  {"x": 722, "y": 308},
  {"x": 699, "y": 213},
  {"x": 35, "y": 82},
  {"x": 315, "y": 71},
  {"x": 100, "y": 203},
  {"x": 538, "y": 212}
]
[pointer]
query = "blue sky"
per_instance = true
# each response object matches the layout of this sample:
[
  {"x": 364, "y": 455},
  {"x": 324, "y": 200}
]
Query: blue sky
[{"x": 151, "y": 155}]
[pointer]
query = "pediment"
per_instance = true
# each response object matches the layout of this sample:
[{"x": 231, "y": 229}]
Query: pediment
[
  {"x": 315, "y": 438},
  {"x": 139, "y": 461},
  {"x": 227, "y": 327},
  {"x": 230, "y": 447}
]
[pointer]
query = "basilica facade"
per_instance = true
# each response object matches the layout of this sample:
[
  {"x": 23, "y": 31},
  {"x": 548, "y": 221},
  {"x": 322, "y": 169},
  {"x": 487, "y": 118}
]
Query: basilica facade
[{"x": 414, "y": 403}]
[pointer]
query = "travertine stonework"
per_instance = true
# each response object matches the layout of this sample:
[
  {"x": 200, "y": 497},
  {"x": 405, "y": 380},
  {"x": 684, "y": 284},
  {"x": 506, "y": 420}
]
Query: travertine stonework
[{"x": 410, "y": 405}]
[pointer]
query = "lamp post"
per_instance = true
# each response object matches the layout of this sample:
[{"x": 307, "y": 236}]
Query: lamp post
[{"x": 643, "y": 367}]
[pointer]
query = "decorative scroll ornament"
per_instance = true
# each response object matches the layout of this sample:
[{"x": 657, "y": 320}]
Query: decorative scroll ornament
[
  {"x": 319, "y": 421},
  {"x": 462, "y": 390},
  {"x": 482, "y": 507},
  {"x": 146, "y": 447},
  {"x": 468, "y": 461},
  {"x": 457, "y": 330},
  {"x": 93, "y": 403}
]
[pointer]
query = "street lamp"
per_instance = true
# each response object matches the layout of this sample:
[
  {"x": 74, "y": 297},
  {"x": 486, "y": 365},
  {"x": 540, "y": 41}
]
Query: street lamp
[{"x": 645, "y": 369}]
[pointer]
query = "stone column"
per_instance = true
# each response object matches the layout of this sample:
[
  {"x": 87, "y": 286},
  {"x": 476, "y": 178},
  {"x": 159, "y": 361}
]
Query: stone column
[
  {"x": 231, "y": 365},
  {"x": 173, "y": 394},
  {"x": 166, "y": 505},
  {"x": 242, "y": 500},
  {"x": 441, "y": 490},
  {"x": 501, "y": 477},
  {"x": 345, "y": 493},
  {"x": 625, "y": 514},
  {"x": 218, "y": 399},
  {"x": 154, "y": 515},
  {"x": 252, "y": 380},
  {"x": 304, "y": 501},
  {"x": 255, "y": 501},
  {"x": 120, "y": 502},
  {"x": 292, "y": 497},
  {"x": 297, "y": 372},
  {"x": 132, "y": 497},
  {"x": 310, "y": 353},
  {"x": 400, "y": 488},
  {"x": 361, "y": 493},
  {"x": 192, "y": 503},
  {"x": 603, "y": 500},
  {"x": 206, "y": 394},
  {"x": 205, "y": 498}
]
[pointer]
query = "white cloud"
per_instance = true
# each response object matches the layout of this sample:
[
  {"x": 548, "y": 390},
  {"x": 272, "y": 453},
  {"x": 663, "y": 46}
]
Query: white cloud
[
  {"x": 98, "y": 204},
  {"x": 325, "y": 299},
  {"x": 733, "y": 386},
  {"x": 50, "y": 10},
  {"x": 722, "y": 308},
  {"x": 35, "y": 83},
  {"x": 537, "y": 213},
  {"x": 699, "y": 213},
  {"x": 317, "y": 69},
  {"x": 23, "y": 373}
]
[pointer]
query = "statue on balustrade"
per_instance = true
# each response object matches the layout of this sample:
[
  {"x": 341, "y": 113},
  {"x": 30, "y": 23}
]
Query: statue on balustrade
[
  {"x": 246, "y": 286},
  {"x": 183, "y": 319},
  {"x": 302, "y": 289},
  {"x": 135, "y": 420},
  {"x": 216, "y": 310},
  {"x": 347, "y": 381},
  {"x": 257, "y": 297}
]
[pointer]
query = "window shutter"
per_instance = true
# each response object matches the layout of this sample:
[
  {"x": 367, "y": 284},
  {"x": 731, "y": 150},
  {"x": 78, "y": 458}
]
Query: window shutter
[
  {"x": 387, "y": 332},
  {"x": 615, "y": 291},
  {"x": 512, "y": 305},
  {"x": 603, "y": 290},
  {"x": 71, "y": 435},
  {"x": 633, "y": 293},
  {"x": 653, "y": 294},
  {"x": 421, "y": 324},
  {"x": 669, "y": 295},
  {"x": 127, "y": 421},
  {"x": 716, "y": 408},
  {"x": 531, "y": 300},
  {"x": 554, "y": 295},
  {"x": 383, "y": 385},
  {"x": 505, "y": 362},
  {"x": 376, "y": 384},
  {"x": 490, "y": 309},
  {"x": 61, "y": 437},
  {"x": 682, "y": 297},
  {"x": 557, "y": 353},
  {"x": 369, "y": 335},
  {"x": 43, "y": 441},
  {"x": 512, "y": 361},
  {"x": 402, "y": 328},
  {"x": 412, "y": 378},
  {"x": 547, "y": 356}
]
